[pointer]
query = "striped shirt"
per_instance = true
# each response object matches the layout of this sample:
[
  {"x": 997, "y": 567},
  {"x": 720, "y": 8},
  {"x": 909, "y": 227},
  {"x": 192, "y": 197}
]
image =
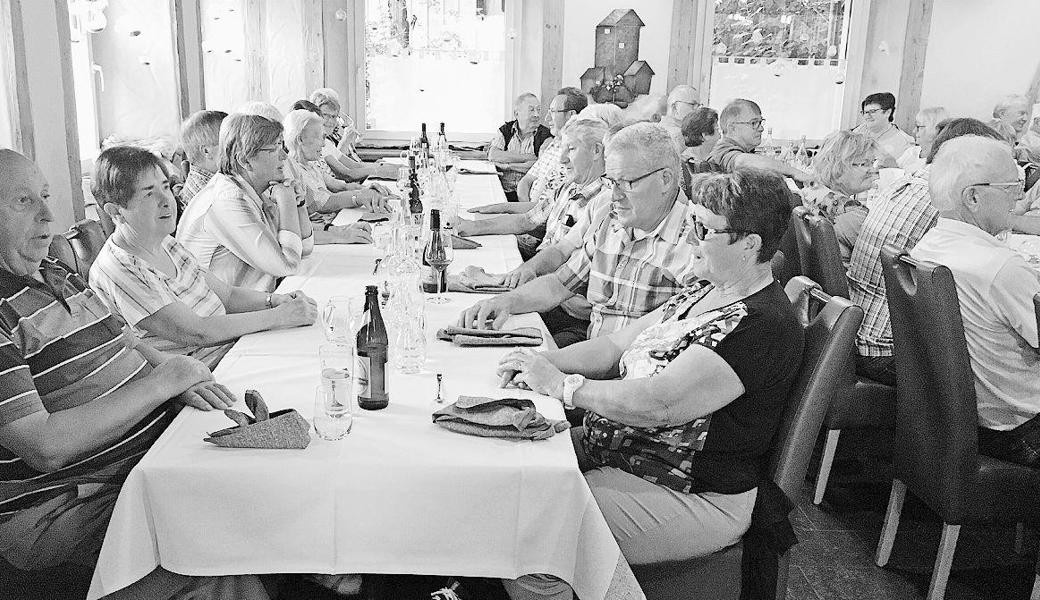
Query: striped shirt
[
  {"x": 60, "y": 348},
  {"x": 562, "y": 211},
  {"x": 234, "y": 234},
  {"x": 900, "y": 215},
  {"x": 193, "y": 184},
  {"x": 547, "y": 171},
  {"x": 135, "y": 290},
  {"x": 628, "y": 272}
]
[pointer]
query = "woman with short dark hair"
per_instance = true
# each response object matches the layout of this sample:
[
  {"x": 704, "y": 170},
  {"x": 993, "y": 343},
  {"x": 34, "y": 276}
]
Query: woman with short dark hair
[
  {"x": 700, "y": 130},
  {"x": 682, "y": 404},
  {"x": 156, "y": 285}
]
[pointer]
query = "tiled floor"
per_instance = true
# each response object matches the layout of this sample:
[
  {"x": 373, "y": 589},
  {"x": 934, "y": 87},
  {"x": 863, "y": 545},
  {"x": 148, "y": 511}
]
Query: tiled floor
[{"x": 835, "y": 557}]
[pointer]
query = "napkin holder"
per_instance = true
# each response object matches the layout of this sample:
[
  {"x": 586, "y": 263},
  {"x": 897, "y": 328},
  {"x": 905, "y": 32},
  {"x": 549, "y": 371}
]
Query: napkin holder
[{"x": 283, "y": 429}]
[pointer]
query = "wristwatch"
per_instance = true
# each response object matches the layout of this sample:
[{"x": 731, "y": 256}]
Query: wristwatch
[
  {"x": 270, "y": 301},
  {"x": 571, "y": 383}
]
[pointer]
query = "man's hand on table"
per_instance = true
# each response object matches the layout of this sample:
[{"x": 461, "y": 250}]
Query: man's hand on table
[
  {"x": 496, "y": 309},
  {"x": 374, "y": 200},
  {"x": 188, "y": 381},
  {"x": 295, "y": 309},
  {"x": 519, "y": 276},
  {"x": 463, "y": 226},
  {"x": 356, "y": 233},
  {"x": 531, "y": 370},
  {"x": 497, "y": 208},
  {"x": 207, "y": 396}
]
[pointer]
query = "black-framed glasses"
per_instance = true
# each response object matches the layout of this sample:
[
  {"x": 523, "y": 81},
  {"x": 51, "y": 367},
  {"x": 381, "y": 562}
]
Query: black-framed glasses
[
  {"x": 701, "y": 231},
  {"x": 754, "y": 123},
  {"x": 625, "y": 185},
  {"x": 872, "y": 112}
]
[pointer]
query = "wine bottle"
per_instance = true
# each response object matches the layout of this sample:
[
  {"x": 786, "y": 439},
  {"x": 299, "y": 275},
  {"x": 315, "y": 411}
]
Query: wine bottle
[
  {"x": 424, "y": 142},
  {"x": 442, "y": 139},
  {"x": 435, "y": 280},
  {"x": 415, "y": 205},
  {"x": 373, "y": 393}
]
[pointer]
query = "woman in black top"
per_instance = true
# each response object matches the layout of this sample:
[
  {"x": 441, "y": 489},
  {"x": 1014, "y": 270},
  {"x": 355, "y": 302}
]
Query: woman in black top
[{"x": 683, "y": 404}]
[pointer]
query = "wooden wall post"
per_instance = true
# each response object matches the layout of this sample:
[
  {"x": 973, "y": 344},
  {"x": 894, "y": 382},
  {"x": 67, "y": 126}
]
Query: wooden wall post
[
  {"x": 915, "y": 49},
  {"x": 552, "y": 50},
  {"x": 313, "y": 45},
  {"x": 186, "y": 17},
  {"x": 12, "y": 52},
  {"x": 254, "y": 19}
]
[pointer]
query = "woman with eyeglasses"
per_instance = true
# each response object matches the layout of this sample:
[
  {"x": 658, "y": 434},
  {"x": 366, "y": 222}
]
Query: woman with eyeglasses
[
  {"x": 682, "y": 404},
  {"x": 878, "y": 112},
  {"x": 845, "y": 167}
]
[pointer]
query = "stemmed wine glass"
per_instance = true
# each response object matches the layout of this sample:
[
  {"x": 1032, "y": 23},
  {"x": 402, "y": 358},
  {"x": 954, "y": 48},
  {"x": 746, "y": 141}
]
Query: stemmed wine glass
[{"x": 439, "y": 254}]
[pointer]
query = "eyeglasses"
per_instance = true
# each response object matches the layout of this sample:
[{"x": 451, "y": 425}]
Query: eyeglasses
[
  {"x": 280, "y": 146},
  {"x": 701, "y": 232},
  {"x": 1013, "y": 188},
  {"x": 872, "y": 112},
  {"x": 693, "y": 104},
  {"x": 867, "y": 164},
  {"x": 626, "y": 185},
  {"x": 754, "y": 123}
]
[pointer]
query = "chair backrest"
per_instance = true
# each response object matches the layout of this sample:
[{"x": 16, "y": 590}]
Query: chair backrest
[
  {"x": 935, "y": 450},
  {"x": 86, "y": 237},
  {"x": 786, "y": 263},
  {"x": 61, "y": 249},
  {"x": 819, "y": 252},
  {"x": 828, "y": 337},
  {"x": 1036, "y": 309}
]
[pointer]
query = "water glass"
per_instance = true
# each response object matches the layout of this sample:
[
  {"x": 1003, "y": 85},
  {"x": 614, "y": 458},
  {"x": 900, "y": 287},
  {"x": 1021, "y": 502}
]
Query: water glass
[
  {"x": 411, "y": 344},
  {"x": 336, "y": 318},
  {"x": 337, "y": 369},
  {"x": 332, "y": 415}
]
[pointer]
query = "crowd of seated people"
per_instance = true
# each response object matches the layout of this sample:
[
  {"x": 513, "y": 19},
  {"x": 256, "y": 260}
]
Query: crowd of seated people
[{"x": 646, "y": 232}]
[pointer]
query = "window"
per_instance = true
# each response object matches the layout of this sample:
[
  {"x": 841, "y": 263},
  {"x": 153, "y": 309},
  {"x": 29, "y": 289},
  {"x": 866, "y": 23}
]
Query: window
[
  {"x": 789, "y": 57},
  {"x": 432, "y": 61}
]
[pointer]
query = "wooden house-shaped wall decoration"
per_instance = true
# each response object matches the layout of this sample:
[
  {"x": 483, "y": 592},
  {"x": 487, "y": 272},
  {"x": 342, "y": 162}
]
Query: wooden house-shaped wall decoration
[{"x": 618, "y": 75}]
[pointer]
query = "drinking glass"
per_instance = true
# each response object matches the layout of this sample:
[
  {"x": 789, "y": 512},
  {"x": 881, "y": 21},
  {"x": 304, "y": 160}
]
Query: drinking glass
[
  {"x": 337, "y": 389},
  {"x": 381, "y": 235},
  {"x": 332, "y": 415},
  {"x": 357, "y": 313},
  {"x": 403, "y": 184},
  {"x": 336, "y": 319},
  {"x": 411, "y": 346},
  {"x": 439, "y": 254}
]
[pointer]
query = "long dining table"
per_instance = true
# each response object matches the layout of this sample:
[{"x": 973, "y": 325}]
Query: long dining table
[{"x": 397, "y": 495}]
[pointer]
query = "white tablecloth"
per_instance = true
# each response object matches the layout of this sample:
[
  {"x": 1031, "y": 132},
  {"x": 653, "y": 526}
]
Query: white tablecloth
[{"x": 398, "y": 495}]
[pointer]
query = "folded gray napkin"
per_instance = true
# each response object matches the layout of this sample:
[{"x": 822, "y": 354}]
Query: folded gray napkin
[
  {"x": 464, "y": 336},
  {"x": 475, "y": 279},
  {"x": 282, "y": 429},
  {"x": 510, "y": 418}
]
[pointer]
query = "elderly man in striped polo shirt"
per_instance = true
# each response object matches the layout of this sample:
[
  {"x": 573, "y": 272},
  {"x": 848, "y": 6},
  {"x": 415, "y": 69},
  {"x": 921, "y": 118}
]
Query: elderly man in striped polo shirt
[
  {"x": 632, "y": 258},
  {"x": 80, "y": 402}
]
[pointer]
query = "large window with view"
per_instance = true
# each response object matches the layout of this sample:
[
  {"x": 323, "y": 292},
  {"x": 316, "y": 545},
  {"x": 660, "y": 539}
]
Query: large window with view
[
  {"x": 432, "y": 61},
  {"x": 789, "y": 56}
]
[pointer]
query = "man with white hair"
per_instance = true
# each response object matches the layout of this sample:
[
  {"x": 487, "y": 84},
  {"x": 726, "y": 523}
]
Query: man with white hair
[
  {"x": 517, "y": 143},
  {"x": 975, "y": 185},
  {"x": 1011, "y": 116},
  {"x": 742, "y": 125},
  {"x": 633, "y": 259},
  {"x": 681, "y": 102}
]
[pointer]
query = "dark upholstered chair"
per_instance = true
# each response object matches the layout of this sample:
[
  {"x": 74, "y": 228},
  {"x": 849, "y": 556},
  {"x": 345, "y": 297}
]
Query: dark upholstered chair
[
  {"x": 858, "y": 401},
  {"x": 86, "y": 238},
  {"x": 56, "y": 583},
  {"x": 935, "y": 450},
  {"x": 718, "y": 576},
  {"x": 61, "y": 249}
]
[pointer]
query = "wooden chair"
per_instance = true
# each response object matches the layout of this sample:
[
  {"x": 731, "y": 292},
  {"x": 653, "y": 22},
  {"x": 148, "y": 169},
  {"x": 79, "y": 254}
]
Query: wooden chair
[
  {"x": 718, "y": 575},
  {"x": 935, "y": 449},
  {"x": 858, "y": 401}
]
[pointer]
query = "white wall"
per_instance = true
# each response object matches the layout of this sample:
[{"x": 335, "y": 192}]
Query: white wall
[
  {"x": 579, "y": 39},
  {"x": 979, "y": 52}
]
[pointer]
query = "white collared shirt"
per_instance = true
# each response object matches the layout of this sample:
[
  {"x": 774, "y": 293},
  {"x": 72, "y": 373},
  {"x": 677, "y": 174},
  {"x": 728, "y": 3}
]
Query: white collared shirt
[{"x": 995, "y": 287}]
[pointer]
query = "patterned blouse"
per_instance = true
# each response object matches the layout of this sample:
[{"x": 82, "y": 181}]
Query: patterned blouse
[{"x": 761, "y": 340}]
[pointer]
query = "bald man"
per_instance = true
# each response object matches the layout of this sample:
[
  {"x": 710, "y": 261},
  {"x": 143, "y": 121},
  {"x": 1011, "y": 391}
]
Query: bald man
[
  {"x": 80, "y": 402},
  {"x": 741, "y": 123},
  {"x": 681, "y": 102}
]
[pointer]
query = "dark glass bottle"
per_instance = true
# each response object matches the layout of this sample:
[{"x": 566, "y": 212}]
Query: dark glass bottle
[
  {"x": 372, "y": 344},
  {"x": 434, "y": 280},
  {"x": 442, "y": 139},
  {"x": 424, "y": 142}
]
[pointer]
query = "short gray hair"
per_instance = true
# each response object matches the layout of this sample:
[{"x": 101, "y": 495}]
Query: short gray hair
[
  {"x": 525, "y": 96},
  {"x": 961, "y": 162},
  {"x": 1007, "y": 102},
  {"x": 261, "y": 109},
  {"x": 326, "y": 97},
  {"x": 932, "y": 116},
  {"x": 241, "y": 137},
  {"x": 650, "y": 144},
  {"x": 611, "y": 114},
  {"x": 201, "y": 129},
  {"x": 648, "y": 106},
  {"x": 837, "y": 153},
  {"x": 294, "y": 124},
  {"x": 680, "y": 92},
  {"x": 734, "y": 110},
  {"x": 585, "y": 131}
]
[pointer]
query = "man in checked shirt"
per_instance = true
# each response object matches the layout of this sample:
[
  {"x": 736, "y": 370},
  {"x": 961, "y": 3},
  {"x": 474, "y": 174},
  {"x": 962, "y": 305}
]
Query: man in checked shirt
[{"x": 632, "y": 259}]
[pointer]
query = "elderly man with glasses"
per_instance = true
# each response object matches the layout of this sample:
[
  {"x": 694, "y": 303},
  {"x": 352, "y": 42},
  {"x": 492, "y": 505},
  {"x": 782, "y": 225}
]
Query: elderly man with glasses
[
  {"x": 742, "y": 125},
  {"x": 517, "y": 143},
  {"x": 974, "y": 183},
  {"x": 632, "y": 258},
  {"x": 681, "y": 102}
]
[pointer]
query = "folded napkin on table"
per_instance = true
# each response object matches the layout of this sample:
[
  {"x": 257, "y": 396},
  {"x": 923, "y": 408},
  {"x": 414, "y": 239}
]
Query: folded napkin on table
[
  {"x": 476, "y": 280},
  {"x": 281, "y": 429},
  {"x": 465, "y": 336},
  {"x": 512, "y": 418},
  {"x": 460, "y": 243}
]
